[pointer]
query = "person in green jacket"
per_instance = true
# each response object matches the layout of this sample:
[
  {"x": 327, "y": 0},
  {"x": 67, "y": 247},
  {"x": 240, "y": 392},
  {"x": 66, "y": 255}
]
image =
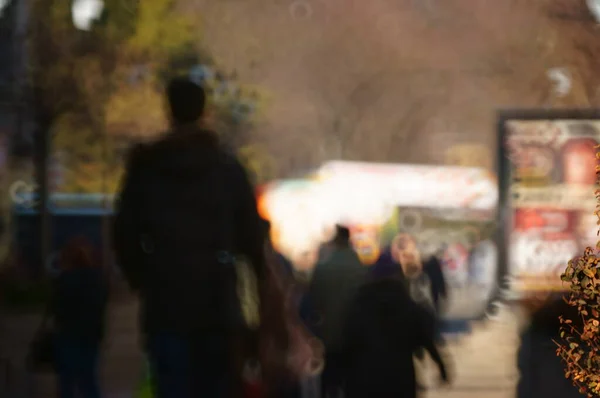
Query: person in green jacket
[{"x": 334, "y": 284}]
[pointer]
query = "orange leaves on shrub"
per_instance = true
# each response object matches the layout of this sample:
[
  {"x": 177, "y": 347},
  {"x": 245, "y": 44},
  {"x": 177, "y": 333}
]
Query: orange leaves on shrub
[{"x": 580, "y": 338}]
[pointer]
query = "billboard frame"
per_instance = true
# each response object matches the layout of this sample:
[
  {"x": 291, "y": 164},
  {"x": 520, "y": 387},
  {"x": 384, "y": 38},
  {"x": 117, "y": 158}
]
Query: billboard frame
[{"x": 503, "y": 168}]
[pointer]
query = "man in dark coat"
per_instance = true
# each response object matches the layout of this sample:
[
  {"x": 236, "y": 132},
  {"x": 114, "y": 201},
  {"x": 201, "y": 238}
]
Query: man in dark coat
[
  {"x": 185, "y": 210},
  {"x": 542, "y": 372},
  {"x": 386, "y": 264},
  {"x": 333, "y": 286},
  {"x": 432, "y": 267},
  {"x": 384, "y": 329}
]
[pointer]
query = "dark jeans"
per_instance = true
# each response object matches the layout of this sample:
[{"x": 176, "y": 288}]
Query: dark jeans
[
  {"x": 190, "y": 367},
  {"x": 332, "y": 378},
  {"x": 77, "y": 367}
]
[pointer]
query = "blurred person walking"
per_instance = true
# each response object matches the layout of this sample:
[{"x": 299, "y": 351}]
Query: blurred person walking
[
  {"x": 432, "y": 267},
  {"x": 79, "y": 313},
  {"x": 384, "y": 328},
  {"x": 403, "y": 259},
  {"x": 388, "y": 262},
  {"x": 333, "y": 286},
  {"x": 303, "y": 353},
  {"x": 186, "y": 210},
  {"x": 542, "y": 372},
  {"x": 423, "y": 280}
]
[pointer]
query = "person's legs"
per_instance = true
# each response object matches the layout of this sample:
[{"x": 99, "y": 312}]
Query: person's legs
[
  {"x": 211, "y": 366},
  {"x": 170, "y": 366},
  {"x": 66, "y": 366},
  {"x": 87, "y": 370},
  {"x": 332, "y": 377}
]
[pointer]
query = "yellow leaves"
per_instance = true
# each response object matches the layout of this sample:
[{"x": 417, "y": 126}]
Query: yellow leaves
[
  {"x": 89, "y": 159},
  {"x": 136, "y": 110},
  {"x": 91, "y": 80},
  {"x": 69, "y": 133},
  {"x": 92, "y": 178},
  {"x": 159, "y": 29},
  {"x": 59, "y": 19},
  {"x": 257, "y": 162}
]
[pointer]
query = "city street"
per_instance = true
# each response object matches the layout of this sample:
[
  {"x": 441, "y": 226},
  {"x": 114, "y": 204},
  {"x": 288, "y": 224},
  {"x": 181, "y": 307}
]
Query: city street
[
  {"x": 457, "y": 141},
  {"x": 483, "y": 363}
]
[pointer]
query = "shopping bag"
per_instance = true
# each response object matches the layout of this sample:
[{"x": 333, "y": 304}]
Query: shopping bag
[
  {"x": 144, "y": 389},
  {"x": 41, "y": 356},
  {"x": 252, "y": 381},
  {"x": 288, "y": 349}
]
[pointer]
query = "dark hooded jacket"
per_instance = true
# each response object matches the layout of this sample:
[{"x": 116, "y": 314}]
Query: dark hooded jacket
[
  {"x": 432, "y": 267},
  {"x": 386, "y": 265},
  {"x": 186, "y": 207},
  {"x": 432, "y": 274},
  {"x": 542, "y": 372},
  {"x": 385, "y": 327},
  {"x": 79, "y": 304}
]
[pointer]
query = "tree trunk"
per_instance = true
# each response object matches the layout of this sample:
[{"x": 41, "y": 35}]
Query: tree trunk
[{"x": 41, "y": 155}]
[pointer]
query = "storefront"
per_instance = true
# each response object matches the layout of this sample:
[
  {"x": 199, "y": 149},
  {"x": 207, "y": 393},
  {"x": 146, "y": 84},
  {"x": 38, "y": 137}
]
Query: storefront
[{"x": 449, "y": 212}]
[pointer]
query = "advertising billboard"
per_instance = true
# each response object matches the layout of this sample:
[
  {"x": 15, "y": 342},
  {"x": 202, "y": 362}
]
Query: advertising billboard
[{"x": 549, "y": 178}]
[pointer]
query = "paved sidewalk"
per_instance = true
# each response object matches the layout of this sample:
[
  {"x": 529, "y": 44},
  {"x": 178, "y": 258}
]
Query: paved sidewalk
[
  {"x": 121, "y": 357},
  {"x": 483, "y": 362}
]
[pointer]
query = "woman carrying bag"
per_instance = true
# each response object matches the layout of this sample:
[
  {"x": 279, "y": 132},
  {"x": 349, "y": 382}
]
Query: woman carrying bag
[
  {"x": 77, "y": 312},
  {"x": 288, "y": 352}
]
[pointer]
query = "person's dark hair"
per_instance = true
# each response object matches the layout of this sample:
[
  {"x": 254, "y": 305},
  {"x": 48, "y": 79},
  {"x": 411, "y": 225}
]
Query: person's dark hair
[
  {"x": 266, "y": 228},
  {"x": 186, "y": 100},
  {"x": 546, "y": 319},
  {"x": 342, "y": 235}
]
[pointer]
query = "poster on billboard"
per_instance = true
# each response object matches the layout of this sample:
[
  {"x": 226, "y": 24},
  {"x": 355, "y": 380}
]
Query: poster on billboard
[{"x": 548, "y": 182}]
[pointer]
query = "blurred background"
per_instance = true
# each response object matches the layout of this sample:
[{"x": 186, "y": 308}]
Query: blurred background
[{"x": 468, "y": 124}]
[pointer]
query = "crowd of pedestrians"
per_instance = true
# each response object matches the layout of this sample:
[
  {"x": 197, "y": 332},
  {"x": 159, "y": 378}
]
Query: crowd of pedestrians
[{"x": 185, "y": 217}]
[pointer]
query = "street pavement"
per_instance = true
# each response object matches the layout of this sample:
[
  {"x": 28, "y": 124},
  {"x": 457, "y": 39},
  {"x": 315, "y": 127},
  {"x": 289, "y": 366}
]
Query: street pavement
[{"x": 483, "y": 362}]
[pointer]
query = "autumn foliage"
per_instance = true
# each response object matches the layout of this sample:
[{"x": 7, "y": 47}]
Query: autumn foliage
[
  {"x": 579, "y": 346},
  {"x": 101, "y": 90}
]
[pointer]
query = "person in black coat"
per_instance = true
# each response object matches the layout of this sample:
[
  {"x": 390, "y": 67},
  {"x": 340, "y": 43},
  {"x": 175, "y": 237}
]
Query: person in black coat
[
  {"x": 79, "y": 312},
  {"x": 542, "y": 371},
  {"x": 432, "y": 267},
  {"x": 185, "y": 212},
  {"x": 383, "y": 330}
]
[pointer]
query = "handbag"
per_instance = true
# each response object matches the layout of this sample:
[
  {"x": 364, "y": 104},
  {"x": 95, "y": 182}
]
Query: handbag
[
  {"x": 41, "y": 356},
  {"x": 144, "y": 389},
  {"x": 288, "y": 349}
]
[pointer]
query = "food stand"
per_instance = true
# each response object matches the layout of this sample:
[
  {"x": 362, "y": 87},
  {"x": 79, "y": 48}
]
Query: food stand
[{"x": 451, "y": 207}]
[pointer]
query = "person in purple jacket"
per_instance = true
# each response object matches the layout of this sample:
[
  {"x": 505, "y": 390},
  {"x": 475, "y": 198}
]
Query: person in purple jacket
[{"x": 387, "y": 265}]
